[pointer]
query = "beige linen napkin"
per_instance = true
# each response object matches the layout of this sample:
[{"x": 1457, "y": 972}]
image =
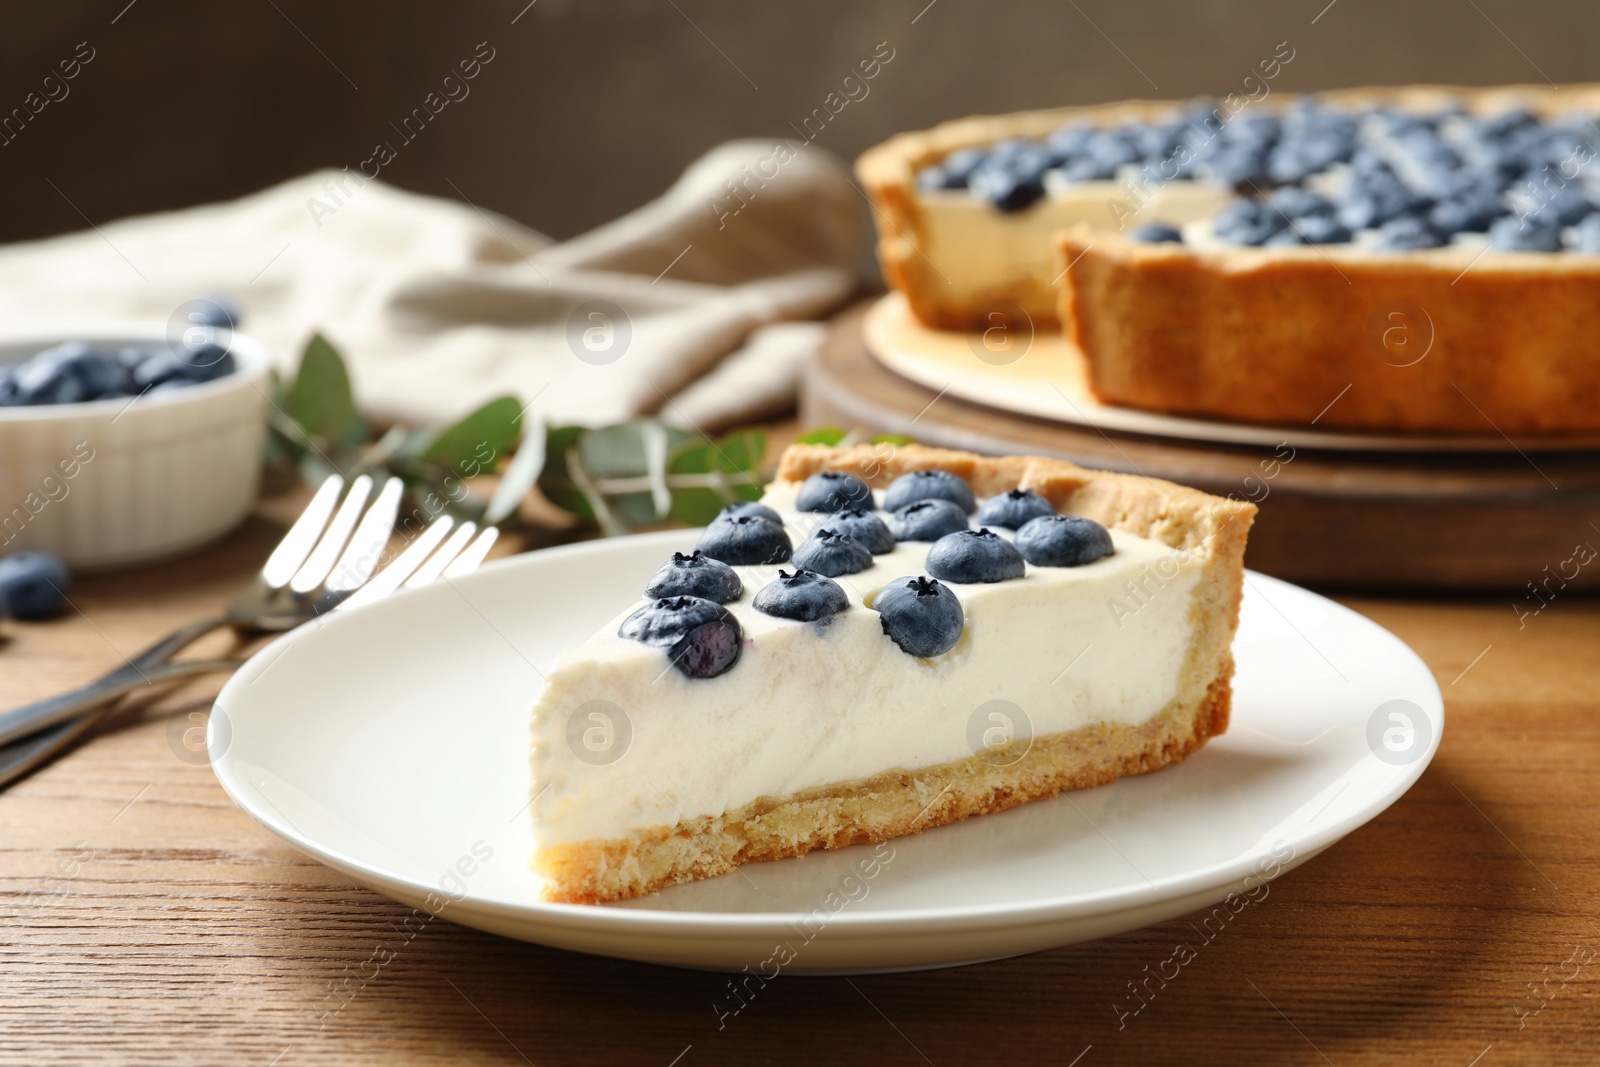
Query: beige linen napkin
[{"x": 685, "y": 307}]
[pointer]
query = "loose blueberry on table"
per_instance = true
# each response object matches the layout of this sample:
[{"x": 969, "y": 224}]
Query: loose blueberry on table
[
  {"x": 833, "y": 553},
  {"x": 928, "y": 485},
  {"x": 833, "y": 491},
  {"x": 33, "y": 586},
  {"x": 927, "y": 520},
  {"x": 920, "y": 615},
  {"x": 974, "y": 556},
  {"x": 745, "y": 540},
  {"x": 1063, "y": 541},
  {"x": 1013, "y": 508},
  {"x": 804, "y": 596},
  {"x": 1321, "y": 174},
  {"x": 864, "y": 526},
  {"x": 702, "y": 638},
  {"x": 695, "y": 574}
]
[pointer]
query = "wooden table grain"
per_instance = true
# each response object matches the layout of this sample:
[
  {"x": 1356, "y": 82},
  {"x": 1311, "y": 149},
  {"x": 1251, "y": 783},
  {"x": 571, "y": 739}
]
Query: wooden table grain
[{"x": 144, "y": 919}]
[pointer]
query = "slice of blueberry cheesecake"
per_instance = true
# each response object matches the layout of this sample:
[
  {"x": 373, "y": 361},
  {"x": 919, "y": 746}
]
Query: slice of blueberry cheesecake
[{"x": 890, "y": 640}]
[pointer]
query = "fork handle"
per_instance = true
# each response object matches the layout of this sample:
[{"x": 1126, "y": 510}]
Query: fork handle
[{"x": 20, "y": 722}]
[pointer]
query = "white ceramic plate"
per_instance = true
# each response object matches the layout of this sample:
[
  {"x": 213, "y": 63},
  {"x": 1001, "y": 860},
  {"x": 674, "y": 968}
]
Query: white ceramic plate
[
  {"x": 1046, "y": 380},
  {"x": 389, "y": 742}
]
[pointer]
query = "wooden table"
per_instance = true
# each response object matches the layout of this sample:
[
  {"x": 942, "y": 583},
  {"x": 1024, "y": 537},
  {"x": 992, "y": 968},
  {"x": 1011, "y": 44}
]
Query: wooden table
[{"x": 144, "y": 919}]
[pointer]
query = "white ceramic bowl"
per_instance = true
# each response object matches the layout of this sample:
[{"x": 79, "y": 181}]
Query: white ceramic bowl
[{"x": 109, "y": 483}]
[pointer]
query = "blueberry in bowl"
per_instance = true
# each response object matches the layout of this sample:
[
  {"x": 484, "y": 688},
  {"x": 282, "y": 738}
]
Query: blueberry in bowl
[
  {"x": 104, "y": 426},
  {"x": 74, "y": 372}
]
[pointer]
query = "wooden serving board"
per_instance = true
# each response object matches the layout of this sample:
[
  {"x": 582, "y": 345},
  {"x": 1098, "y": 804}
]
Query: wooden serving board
[{"x": 1500, "y": 519}]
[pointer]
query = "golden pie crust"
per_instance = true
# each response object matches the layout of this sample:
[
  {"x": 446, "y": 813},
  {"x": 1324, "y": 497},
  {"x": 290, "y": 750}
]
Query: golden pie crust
[{"x": 896, "y": 802}]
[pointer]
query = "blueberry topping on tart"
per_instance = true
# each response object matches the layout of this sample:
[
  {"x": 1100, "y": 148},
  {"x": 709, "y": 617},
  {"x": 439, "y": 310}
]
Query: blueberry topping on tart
[
  {"x": 1316, "y": 174},
  {"x": 750, "y": 507},
  {"x": 1013, "y": 508},
  {"x": 1248, "y": 222},
  {"x": 1063, "y": 541},
  {"x": 804, "y": 596},
  {"x": 928, "y": 485},
  {"x": 701, "y": 638},
  {"x": 920, "y": 615},
  {"x": 1586, "y": 235},
  {"x": 833, "y": 491},
  {"x": 974, "y": 556},
  {"x": 697, "y": 575},
  {"x": 927, "y": 520},
  {"x": 864, "y": 526},
  {"x": 1409, "y": 234},
  {"x": 1469, "y": 210},
  {"x": 832, "y": 553},
  {"x": 1157, "y": 233},
  {"x": 745, "y": 540},
  {"x": 1523, "y": 235},
  {"x": 1311, "y": 230}
]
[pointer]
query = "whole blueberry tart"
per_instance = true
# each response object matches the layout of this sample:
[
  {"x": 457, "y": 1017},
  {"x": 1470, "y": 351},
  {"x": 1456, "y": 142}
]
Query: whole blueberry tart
[{"x": 1414, "y": 259}]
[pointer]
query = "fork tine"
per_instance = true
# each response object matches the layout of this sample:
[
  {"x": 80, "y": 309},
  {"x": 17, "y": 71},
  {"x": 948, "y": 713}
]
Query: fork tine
[
  {"x": 315, "y": 569},
  {"x": 391, "y": 577},
  {"x": 473, "y": 556},
  {"x": 366, "y": 545},
  {"x": 442, "y": 558},
  {"x": 302, "y": 536}
]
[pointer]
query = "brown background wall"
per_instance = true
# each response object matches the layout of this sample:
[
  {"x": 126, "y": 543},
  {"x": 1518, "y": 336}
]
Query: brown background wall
[{"x": 590, "y": 108}]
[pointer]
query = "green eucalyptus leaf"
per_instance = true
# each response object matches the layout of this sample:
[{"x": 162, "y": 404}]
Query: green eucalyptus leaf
[
  {"x": 741, "y": 452},
  {"x": 695, "y": 506},
  {"x": 321, "y": 399},
  {"x": 519, "y": 477},
  {"x": 737, "y": 457},
  {"x": 822, "y": 435},
  {"x": 476, "y": 444},
  {"x": 634, "y": 453},
  {"x": 554, "y": 481}
]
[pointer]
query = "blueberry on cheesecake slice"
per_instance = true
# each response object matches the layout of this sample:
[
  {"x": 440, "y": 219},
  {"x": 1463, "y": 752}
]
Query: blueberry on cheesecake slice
[{"x": 784, "y": 709}]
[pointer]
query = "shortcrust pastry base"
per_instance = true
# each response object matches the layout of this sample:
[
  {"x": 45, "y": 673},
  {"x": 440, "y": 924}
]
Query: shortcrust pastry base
[{"x": 881, "y": 807}]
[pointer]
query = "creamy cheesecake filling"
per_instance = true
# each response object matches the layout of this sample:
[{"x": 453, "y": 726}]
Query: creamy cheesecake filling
[
  {"x": 981, "y": 251},
  {"x": 814, "y": 704}
]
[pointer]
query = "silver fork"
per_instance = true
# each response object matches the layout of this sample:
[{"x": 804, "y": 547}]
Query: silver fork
[{"x": 325, "y": 561}]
